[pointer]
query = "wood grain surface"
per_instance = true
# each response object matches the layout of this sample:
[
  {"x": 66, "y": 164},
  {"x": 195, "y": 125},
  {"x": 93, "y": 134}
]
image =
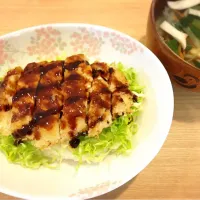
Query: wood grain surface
[{"x": 175, "y": 172}]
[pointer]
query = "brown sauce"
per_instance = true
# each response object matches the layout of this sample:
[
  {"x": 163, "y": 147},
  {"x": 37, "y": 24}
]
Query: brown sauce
[
  {"x": 23, "y": 99},
  {"x": 46, "y": 88},
  {"x": 25, "y": 109},
  {"x": 51, "y": 66},
  {"x": 37, "y": 119},
  {"x": 111, "y": 70},
  {"x": 73, "y": 65},
  {"x": 5, "y": 108},
  {"x": 135, "y": 98},
  {"x": 74, "y": 142},
  {"x": 41, "y": 115},
  {"x": 37, "y": 134},
  {"x": 32, "y": 68},
  {"x": 100, "y": 102},
  {"x": 23, "y": 92},
  {"x": 100, "y": 69},
  {"x": 43, "y": 118},
  {"x": 125, "y": 90},
  {"x": 74, "y": 99},
  {"x": 74, "y": 111},
  {"x": 99, "y": 119},
  {"x": 74, "y": 104},
  {"x": 74, "y": 76},
  {"x": 25, "y": 130},
  {"x": 96, "y": 73},
  {"x": 105, "y": 90}
]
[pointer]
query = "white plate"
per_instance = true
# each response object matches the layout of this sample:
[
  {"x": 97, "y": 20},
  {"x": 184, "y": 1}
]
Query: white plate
[{"x": 104, "y": 44}]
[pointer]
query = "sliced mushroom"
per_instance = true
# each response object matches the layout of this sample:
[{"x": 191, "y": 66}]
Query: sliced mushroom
[
  {"x": 194, "y": 12},
  {"x": 175, "y": 33},
  {"x": 183, "y": 4}
]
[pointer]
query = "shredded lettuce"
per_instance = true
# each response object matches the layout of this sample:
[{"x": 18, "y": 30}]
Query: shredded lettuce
[
  {"x": 24, "y": 154},
  {"x": 117, "y": 138},
  {"x": 132, "y": 78}
]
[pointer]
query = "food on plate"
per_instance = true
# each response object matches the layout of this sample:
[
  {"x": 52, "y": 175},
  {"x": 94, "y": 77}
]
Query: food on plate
[
  {"x": 76, "y": 85},
  {"x": 50, "y": 108},
  {"x": 99, "y": 113},
  {"x": 48, "y": 105},
  {"x": 8, "y": 88},
  {"x": 179, "y": 27},
  {"x": 23, "y": 101}
]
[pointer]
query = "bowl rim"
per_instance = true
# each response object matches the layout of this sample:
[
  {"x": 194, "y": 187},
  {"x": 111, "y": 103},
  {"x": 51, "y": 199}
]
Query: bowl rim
[
  {"x": 171, "y": 102},
  {"x": 175, "y": 56}
]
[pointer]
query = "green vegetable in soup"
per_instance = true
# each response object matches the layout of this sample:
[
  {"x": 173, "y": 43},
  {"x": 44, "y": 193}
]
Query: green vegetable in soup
[
  {"x": 173, "y": 45},
  {"x": 196, "y": 23},
  {"x": 186, "y": 21},
  {"x": 197, "y": 7},
  {"x": 195, "y": 30},
  {"x": 196, "y": 63},
  {"x": 188, "y": 48}
]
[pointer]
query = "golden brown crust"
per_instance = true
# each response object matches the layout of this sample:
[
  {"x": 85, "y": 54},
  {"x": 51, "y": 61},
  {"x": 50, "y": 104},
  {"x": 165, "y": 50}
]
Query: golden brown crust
[
  {"x": 49, "y": 100},
  {"x": 7, "y": 90},
  {"x": 100, "y": 69},
  {"x": 99, "y": 114},
  {"x": 77, "y": 81},
  {"x": 25, "y": 93},
  {"x": 122, "y": 97}
]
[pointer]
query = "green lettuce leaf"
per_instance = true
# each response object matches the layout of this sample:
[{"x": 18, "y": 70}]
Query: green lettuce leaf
[{"x": 24, "y": 154}]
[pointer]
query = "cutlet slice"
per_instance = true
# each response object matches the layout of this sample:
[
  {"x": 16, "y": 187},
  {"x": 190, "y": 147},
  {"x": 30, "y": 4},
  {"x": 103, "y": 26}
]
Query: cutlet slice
[
  {"x": 7, "y": 90},
  {"x": 122, "y": 97},
  {"x": 24, "y": 100},
  {"x": 80, "y": 65},
  {"x": 49, "y": 102},
  {"x": 73, "y": 121},
  {"x": 77, "y": 82},
  {"x": 99, "y": 115},
  {"x": 100, "y": 69}
]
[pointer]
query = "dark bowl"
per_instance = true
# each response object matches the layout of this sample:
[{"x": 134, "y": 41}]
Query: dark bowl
[{"x": 180, "y": 72}]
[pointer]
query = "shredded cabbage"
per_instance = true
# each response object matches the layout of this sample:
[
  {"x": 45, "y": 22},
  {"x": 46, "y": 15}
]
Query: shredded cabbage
[
  {"x": 25, "y": 154},
  {"x": 115, "y": 139},
  {"x": 118, "y": 137}
]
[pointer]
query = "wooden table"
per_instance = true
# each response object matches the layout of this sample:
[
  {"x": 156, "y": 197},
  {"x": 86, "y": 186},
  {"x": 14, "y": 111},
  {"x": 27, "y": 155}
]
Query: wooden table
[{"x": 175, "y": 172}]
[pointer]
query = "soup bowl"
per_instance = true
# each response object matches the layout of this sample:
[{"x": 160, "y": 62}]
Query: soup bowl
[{"x": 181, "y": 72}]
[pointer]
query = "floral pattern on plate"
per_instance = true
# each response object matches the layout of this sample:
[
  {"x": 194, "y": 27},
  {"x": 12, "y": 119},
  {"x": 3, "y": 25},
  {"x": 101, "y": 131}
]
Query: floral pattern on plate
[
  {"x": 90, "y": 42},
  {"x": 47, "y": 41},
  {"x": 87, "y": 41},
  {"x": 6, "y": 52},
  {"x": 96, "y": 190},
  {"x": 123, "y": 44}
]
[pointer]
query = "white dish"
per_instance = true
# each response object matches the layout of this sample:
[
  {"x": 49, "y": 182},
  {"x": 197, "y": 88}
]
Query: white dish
[{"x": 104, "y": 44}]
